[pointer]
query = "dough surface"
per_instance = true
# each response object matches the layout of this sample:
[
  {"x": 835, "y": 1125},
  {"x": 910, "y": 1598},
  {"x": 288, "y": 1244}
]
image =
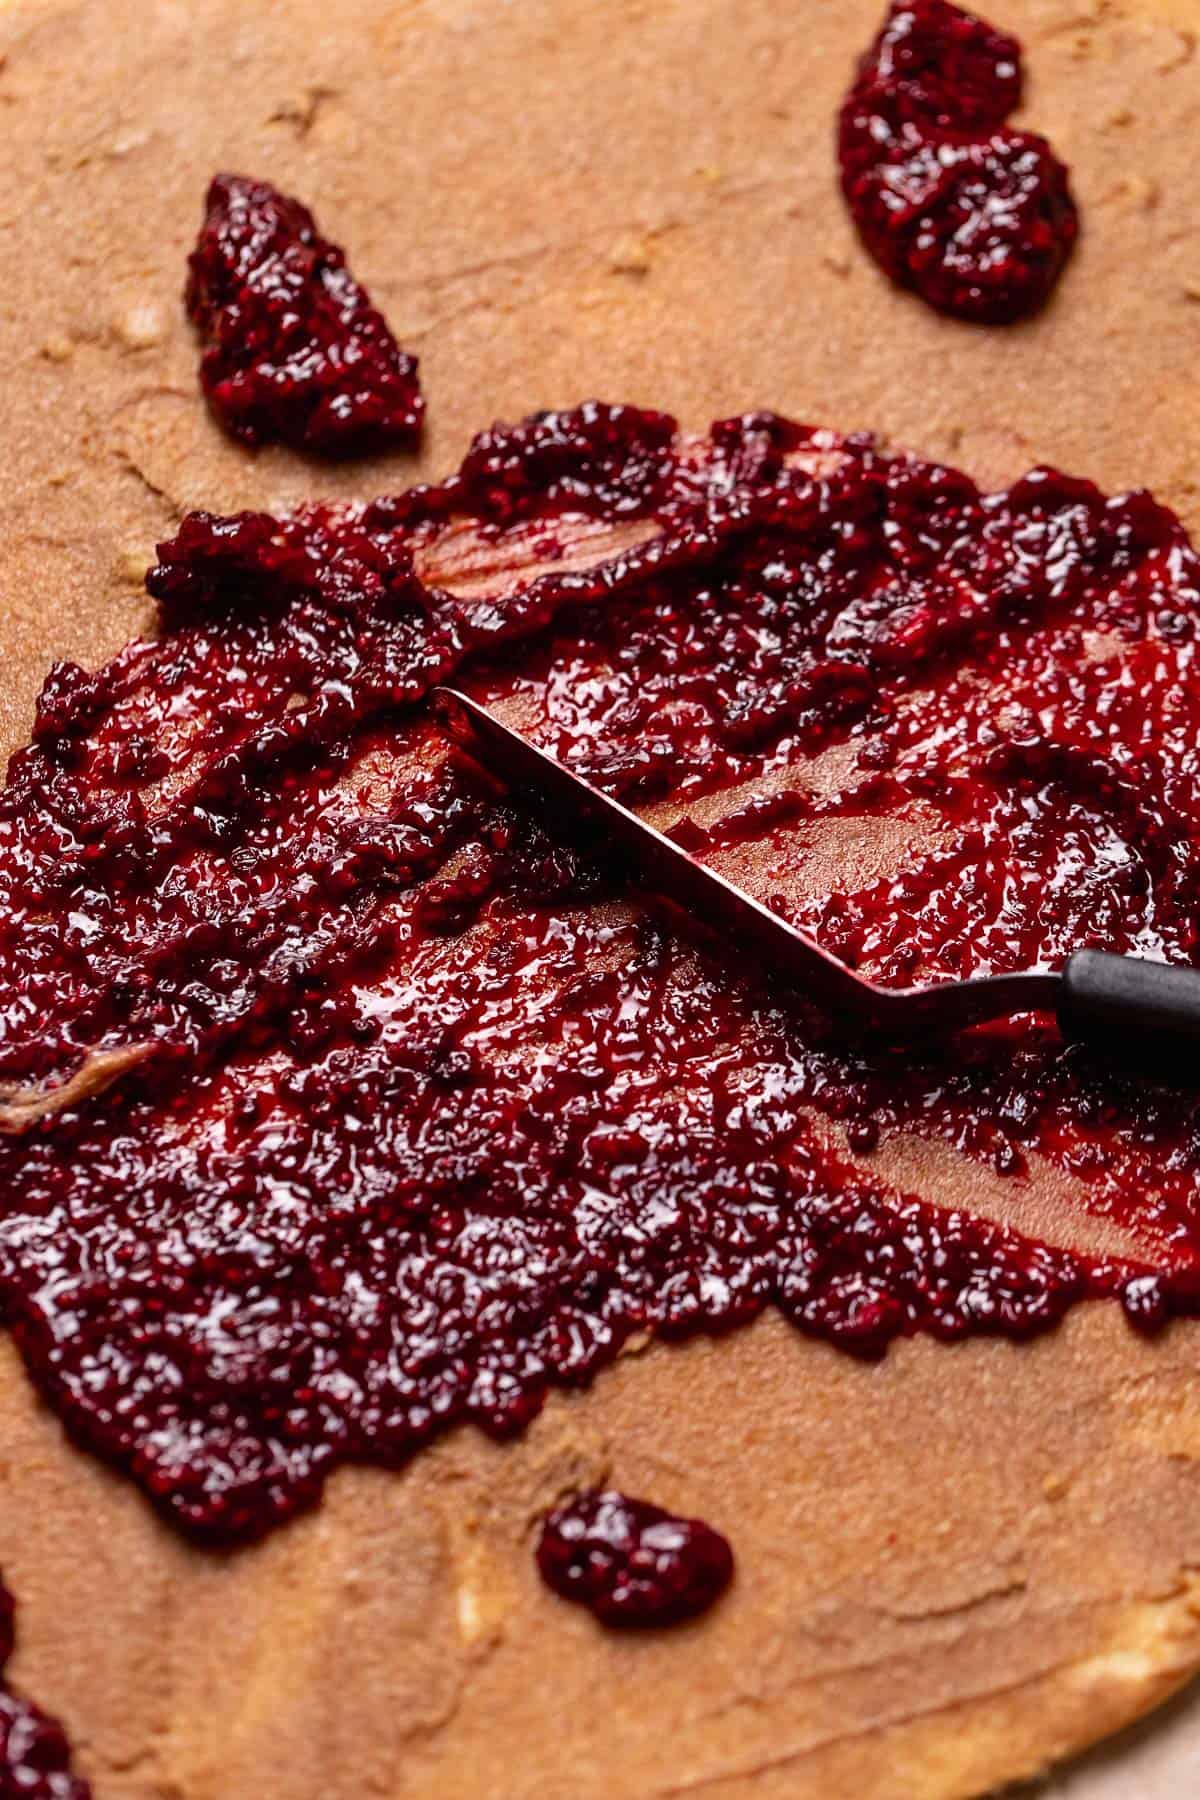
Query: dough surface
[{"x": 954, "y": 1567}]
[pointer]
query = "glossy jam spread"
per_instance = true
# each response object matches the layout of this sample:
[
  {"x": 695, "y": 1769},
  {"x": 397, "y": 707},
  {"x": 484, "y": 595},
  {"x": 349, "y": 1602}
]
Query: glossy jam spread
[
  {"x": 950, "y": 200},
  {"x": 35, "y": 1758},
  {"x": 630, "y": 1562},
  {"x": 341, "y": 1103},
  {"x": 295, "y": 352}
]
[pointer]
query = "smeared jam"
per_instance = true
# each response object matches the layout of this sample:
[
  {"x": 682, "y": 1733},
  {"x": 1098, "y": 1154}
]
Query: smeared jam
[
  {"x": 630, "y": 1562},
  {"x": 340, "y": 1103},
  {"x": 35, "y": 1758},
  {"x": 296, "y": 353},
  {"x": 950, "y": 200}
]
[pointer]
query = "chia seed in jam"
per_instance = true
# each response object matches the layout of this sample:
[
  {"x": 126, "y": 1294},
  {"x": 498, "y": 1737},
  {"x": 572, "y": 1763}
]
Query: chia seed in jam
[
  {"x": 951, "y": 201},
  {"x": 295, "y": 352},
  {"x": 340, "y": 1104}
]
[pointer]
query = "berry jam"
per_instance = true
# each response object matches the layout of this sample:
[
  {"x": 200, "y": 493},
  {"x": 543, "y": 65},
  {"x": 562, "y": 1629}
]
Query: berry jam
[
  {"x": 296, "y": 354},
  {"x": 338, "y": 1103},
  {"x": 632, "y": 1563},
  {"x": 949, "y": 200},
  {"x": 35, "y": 1758}
]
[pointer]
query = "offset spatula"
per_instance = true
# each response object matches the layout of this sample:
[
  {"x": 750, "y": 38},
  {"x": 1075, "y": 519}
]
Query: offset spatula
[{"x": 1133, "y": 1008}]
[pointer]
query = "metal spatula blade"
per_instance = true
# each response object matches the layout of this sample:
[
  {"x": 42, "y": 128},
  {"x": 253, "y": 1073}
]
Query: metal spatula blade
[{"x": 1125, "y": 1004}]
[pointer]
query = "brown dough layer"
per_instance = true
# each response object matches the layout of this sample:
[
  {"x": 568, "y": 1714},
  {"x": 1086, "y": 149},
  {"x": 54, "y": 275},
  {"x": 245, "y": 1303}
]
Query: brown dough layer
[{"x": 954, "y": 1567}]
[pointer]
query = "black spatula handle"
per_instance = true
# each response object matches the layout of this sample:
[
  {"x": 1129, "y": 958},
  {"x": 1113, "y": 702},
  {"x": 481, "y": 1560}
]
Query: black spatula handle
[{"x": 1136, "y": 1011}]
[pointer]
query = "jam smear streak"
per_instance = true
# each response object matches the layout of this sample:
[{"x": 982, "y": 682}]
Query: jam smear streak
[
  {"x": 974, "y": 216},
  {"x": 391, "y": 1112},
  {"x": 630, "y": 1562},
  {"x": 35, "y": 1758},
  {"x": 296, "y": 353}
]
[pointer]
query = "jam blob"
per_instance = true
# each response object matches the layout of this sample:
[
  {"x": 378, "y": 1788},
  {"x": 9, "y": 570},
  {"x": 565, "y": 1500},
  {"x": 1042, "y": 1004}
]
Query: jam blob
[
  {"x": 950, "y": 201},
  {"x": 630, "y": 1562},
  {"x": 339, "y": 1103},
  {"x": 35, "y": 1758},
  {"x": 296, "y": 354}
]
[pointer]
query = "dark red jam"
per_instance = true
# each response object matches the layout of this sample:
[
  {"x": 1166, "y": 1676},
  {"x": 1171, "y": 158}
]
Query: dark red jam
[
  {"x": 630, "y": 1562},
  {"x": 976, "y": 217},
  {"x": 296, "y": 354},
  {"x": 340, "y": 1103},
  {"x": 35, "y": 1758}
]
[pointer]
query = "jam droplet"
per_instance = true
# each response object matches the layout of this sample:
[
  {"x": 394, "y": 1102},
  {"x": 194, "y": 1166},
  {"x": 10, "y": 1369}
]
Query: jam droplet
[
  {"x": 296, "y": 354},
  {"x": 35, "y": 1758},
  {"x": 630, "y": 1562},
  {"x": 949, "y": 200}
]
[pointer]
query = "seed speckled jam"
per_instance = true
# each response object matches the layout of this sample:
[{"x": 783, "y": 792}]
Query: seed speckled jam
[
  {"x": 951, "y": 201},
  {"x": 630, "y": 1562},
  {"x": 296, "y": 353},
  {"x": 341, "y": 1104}
]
